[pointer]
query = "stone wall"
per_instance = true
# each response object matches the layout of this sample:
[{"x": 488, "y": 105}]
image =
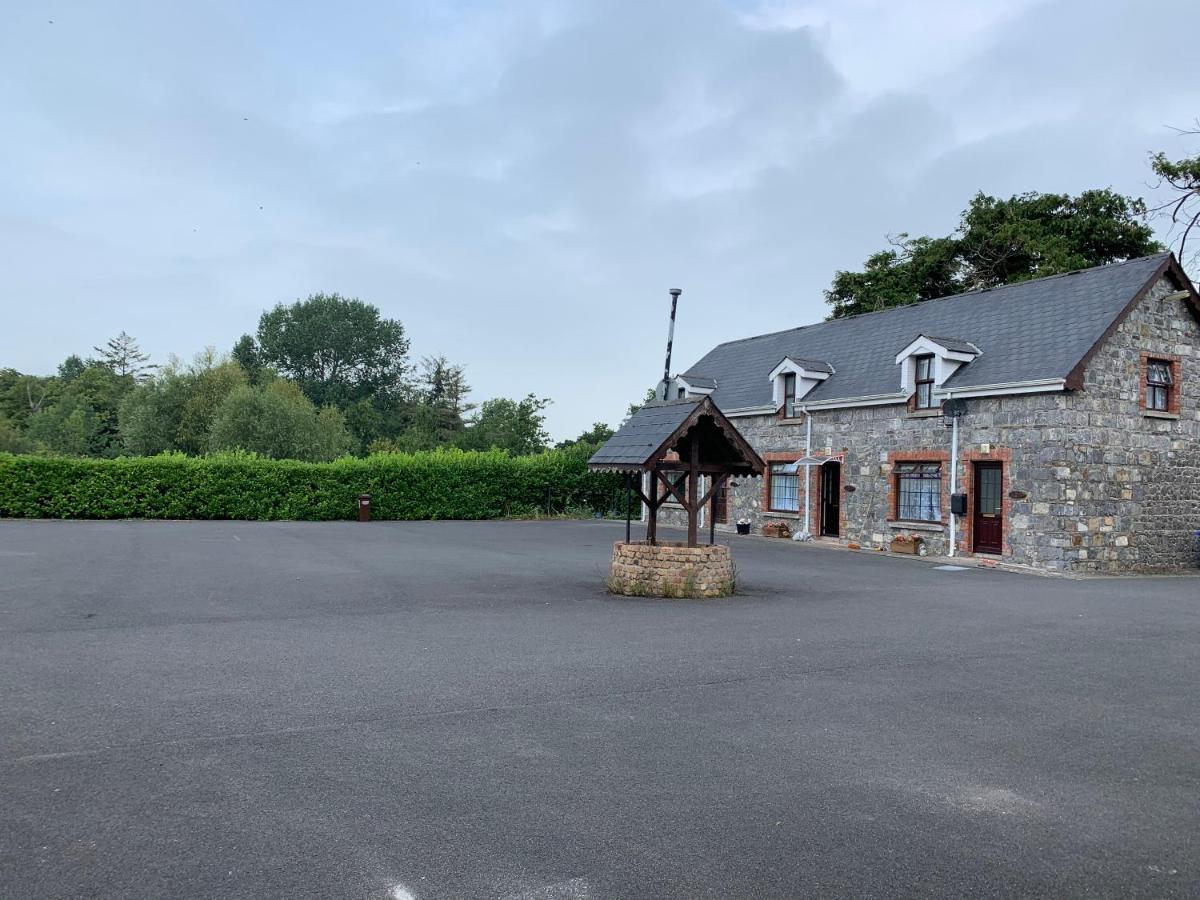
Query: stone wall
[
  {"x": 671, "y": 570},
  {"x": 1092, "y": 482}
]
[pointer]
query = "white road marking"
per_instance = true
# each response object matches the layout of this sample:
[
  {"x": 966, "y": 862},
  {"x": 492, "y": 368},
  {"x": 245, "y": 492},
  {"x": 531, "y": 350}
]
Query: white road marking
[
  {"x": 950, "y": 568},
  {"x": 400, "y": 892}
]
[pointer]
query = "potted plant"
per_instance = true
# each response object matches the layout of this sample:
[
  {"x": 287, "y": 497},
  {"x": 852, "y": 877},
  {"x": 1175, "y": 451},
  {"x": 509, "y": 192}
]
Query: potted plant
[{"x": 743, "y": 526}]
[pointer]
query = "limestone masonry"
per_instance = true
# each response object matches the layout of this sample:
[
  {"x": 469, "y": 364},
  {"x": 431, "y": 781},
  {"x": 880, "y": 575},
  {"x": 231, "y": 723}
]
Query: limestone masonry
[
  {"x": 1083, "y": 476},
  {"x": 671, "y": 570}
]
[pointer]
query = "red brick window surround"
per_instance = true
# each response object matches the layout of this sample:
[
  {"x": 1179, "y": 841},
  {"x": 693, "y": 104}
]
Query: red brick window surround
[
  {"x": 918, "y": 491},
  {"x": 927, "y": 457},
  {"x": 780, "y": 487},
  {"x": 1159, "y": 384}
]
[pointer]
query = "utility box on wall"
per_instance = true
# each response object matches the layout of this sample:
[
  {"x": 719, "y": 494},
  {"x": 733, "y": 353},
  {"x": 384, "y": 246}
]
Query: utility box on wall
[{"x": 958, "y": 504}]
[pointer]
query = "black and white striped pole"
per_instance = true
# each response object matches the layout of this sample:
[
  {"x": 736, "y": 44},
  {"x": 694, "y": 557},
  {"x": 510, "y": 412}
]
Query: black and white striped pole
[{"x": 675, "y": 292}]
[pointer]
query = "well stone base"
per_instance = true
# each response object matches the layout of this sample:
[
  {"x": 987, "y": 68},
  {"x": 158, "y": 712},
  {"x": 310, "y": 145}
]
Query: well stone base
[{"x": 671, "y": 570}]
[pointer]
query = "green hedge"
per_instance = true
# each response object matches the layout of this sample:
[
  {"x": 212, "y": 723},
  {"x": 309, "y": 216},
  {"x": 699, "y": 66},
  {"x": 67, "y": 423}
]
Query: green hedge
[{"x": 438, "y": 485}]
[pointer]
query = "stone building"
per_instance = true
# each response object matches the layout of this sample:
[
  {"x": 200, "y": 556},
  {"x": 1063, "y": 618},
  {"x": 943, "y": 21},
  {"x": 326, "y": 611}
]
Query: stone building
[{"x": 1078, "y": 444}]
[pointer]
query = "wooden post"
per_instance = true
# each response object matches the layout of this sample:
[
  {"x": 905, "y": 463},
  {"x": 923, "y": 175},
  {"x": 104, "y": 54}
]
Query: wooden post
[
  {"x": 693, "y": 492},
  {"x": 628, "y": 504},
  {"x": 652, "y": 513}
]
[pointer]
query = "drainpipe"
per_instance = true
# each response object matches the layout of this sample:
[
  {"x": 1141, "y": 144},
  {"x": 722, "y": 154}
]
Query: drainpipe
[
  {"x": 806, "y": 534},
  {"x": 953, "y": 472}
]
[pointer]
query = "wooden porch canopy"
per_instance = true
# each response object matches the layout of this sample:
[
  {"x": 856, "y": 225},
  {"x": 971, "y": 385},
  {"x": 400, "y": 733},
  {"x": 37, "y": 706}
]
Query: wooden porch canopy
[{"x": 677, "y": 441}]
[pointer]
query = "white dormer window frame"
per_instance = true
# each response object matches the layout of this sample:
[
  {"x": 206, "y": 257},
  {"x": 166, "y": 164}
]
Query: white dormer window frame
[
  {"x": 945, "y": 362},
  {"x": 804, "y": 380},
  {"x": 681, "y": 388}
]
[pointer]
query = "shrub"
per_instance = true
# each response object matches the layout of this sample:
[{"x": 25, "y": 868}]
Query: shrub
[
  {"x": 448, "y": 484},
  {"x": 278, "y": 421}
]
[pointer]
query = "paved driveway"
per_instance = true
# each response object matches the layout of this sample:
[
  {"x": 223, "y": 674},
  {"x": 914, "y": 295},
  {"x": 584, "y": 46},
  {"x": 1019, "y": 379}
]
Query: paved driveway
[{"x": 292, "y": 710}]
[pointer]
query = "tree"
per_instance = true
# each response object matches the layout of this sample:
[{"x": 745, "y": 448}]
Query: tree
[
  {"x": 998, "y": 242},
  {"x": 23, "y": 395},
  {"x": 1182, "y": 176},
  {"x": 915, "y": 269},
  {"x": 211, "y": 381},
  {"x": 337, "y": 349},
  {"x": 12, "y": 439},
  {"x": 245, "y": 354},
  {"x": 101, "y": 389},
  {"x": 71, "y": 367},
  {"x": 123, "y": 356},
  {"x": 149, "y": 415},
  {"x": 515, "y": 426},
  {"x": 443, "y": 392},
  {"x": 280, "y": 422},
  {"x": 596, "y": 435},
  {"x": 68, "y": 428}
]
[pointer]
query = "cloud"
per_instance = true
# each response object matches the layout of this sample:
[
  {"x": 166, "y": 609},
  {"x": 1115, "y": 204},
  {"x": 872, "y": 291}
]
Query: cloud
[{"x": 520, "y": 184}]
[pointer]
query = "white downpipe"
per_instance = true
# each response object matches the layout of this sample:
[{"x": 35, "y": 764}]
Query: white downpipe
[
  {"x": 807, "y": 472},
  {"x": 953, "y": 474}
]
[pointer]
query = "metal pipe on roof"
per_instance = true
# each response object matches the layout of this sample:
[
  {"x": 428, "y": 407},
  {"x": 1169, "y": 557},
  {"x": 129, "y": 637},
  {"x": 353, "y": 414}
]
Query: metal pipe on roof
[{"x": 674, "y": 292}]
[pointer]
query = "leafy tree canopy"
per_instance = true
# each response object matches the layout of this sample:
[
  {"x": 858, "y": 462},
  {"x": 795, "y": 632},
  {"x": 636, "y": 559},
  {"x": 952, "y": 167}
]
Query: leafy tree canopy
[
  {"x": 71, "y": 367},
  {"x": 245, "y": 354},
  {"x": 998, "y": 242},
  {"x": 337, "y": 349},
  {"x": 512, "y": 425},
  {"x": 280, "y": 422},
  {"x": 596, "y": 435}
]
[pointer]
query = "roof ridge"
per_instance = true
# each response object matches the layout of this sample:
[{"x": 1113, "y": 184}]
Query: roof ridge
[{"x": 960, "y": 295}]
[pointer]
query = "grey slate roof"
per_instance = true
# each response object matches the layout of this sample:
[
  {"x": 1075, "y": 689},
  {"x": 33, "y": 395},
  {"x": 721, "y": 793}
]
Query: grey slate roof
[
  {"x": 700, "y": 381},
  {"x": 955, "y": 344},
  {"x": 644, "y": 433},
  {"x": 812, "y": 365},
  {"x": 1026, "y": 331}
]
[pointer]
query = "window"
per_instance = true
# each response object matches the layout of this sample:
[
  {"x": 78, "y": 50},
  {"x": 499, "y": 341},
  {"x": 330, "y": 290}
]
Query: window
[
  {"x": 789, "y": 395},
  {"x": 682, "y": 393},
  {"x": 1159, "y": 379},
  {"x": 919, "y": 492},
  {"x": 785, "y": 489},
  {"x": 924, "y": 382}
]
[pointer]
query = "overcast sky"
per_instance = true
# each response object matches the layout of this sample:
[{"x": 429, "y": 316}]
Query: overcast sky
[{"x": 521, "y": 183}]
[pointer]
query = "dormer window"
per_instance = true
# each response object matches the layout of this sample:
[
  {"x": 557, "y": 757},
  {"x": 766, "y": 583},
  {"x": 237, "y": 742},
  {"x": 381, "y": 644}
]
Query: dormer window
[
  {"x": 688, "y": 386},
  {"x": 793, "y": 379},
  {"x": 928, "y": 363},
  {"x": 789, "y": 395},
  {"x": 924, "y": 381}
]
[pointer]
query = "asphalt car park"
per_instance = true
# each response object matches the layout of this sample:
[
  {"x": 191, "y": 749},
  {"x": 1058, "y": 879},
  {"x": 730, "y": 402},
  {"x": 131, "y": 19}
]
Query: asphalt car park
[{"x": 452, "y": 709}]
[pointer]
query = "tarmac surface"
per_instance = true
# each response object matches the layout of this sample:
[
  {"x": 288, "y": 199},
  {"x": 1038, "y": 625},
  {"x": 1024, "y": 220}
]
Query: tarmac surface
[{"x": 451, "y": 709}]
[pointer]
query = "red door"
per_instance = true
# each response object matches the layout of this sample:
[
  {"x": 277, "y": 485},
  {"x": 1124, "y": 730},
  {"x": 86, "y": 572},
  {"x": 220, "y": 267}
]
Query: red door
[{"x": 988, "y": 523}]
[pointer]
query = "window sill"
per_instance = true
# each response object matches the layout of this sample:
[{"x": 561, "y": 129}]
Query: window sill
[
  {"x": 783, "y": 515},
  {"x": 1159, "y": 414},
  {"x": 903, "y": 525},
  {"x": 924, "y": 413}
]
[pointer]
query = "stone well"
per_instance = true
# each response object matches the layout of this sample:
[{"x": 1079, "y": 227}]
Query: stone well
[{"x": 671, "y": 570}]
